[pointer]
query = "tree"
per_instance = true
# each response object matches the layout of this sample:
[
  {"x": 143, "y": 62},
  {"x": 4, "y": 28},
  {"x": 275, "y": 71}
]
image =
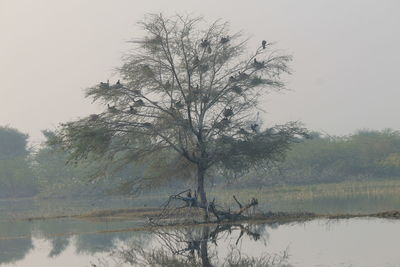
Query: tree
[
  {"x": 16, "y": 176},
  {"x": 188, "y": 90},
  {"x": 56, "y": 178}
]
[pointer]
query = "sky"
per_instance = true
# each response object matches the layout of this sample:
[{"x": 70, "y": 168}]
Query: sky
[{"x": 346, "y": 67}]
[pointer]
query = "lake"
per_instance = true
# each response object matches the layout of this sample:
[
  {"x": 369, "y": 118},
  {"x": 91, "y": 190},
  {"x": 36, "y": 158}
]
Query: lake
[{"x": 322, "y": 242}]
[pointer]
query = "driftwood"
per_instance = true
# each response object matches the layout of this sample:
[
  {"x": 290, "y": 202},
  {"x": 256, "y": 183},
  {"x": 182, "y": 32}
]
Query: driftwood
[
  {"x": 232, "y": 216},
  {"x": 219, "y": 212}
]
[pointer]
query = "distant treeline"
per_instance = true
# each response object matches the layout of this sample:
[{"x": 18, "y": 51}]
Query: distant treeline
[
  {"x": 16, "y": 175},
  {"x": 364, "y": 155}
]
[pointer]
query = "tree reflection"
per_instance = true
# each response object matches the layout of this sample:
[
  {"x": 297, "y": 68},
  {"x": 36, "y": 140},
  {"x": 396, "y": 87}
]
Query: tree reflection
[
  {"x": 196, "y": 247},
  {"x": 59, "y": 244},
  {"x": 13, "y": 250}
]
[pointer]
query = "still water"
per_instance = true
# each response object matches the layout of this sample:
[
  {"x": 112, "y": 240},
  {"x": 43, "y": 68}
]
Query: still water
[{"x": 345, "y": 242}]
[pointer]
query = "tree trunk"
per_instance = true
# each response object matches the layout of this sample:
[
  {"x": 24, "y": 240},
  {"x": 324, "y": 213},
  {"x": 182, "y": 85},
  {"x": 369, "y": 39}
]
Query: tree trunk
[
  {"x": 200, "y": 190},
  {"x": 204, "y": 248}
]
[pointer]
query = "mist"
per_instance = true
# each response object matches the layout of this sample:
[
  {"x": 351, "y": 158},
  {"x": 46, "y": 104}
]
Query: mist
[{"x": 345, "y": 74}]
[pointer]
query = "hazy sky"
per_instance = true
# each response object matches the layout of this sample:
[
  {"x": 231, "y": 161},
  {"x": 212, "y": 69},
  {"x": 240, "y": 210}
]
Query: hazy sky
[{"x": 346, "y": 56}]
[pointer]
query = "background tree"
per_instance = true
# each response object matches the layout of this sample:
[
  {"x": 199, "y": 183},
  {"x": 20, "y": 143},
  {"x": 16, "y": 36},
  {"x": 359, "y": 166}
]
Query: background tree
[
  {"x": 191, "y": 91},
  {"x": 16, "y": 176},
  {"x": 55, "y": 178}
]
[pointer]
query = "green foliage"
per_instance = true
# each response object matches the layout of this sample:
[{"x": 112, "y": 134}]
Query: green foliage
[
  {"x": 12, "y": 143},
  {"x": 16, "y": 176},
  {"x": 59, "y": 179},
  {"x": 363, "y": 155},
  {"x": 267, "y": 147}
]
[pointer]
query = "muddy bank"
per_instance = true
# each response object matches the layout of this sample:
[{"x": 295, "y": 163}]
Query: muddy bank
[{"x": 147, "y": 214}]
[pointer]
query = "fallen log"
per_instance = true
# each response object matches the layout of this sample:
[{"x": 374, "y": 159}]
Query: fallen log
[
  {"x": 232, "y": 216},
  {"x": 221, "y": 214}
]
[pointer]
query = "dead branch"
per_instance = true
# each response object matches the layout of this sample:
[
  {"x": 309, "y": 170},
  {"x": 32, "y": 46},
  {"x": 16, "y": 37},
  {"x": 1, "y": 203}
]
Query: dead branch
[{"x": 170, "y": 210}]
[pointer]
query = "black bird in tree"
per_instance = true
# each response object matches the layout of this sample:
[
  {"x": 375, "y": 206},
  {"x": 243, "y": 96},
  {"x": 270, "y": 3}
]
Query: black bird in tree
[
  {"x": 258, "y": 65},
  {"x": 196, "y": 61},
  {"x": 105, "y": 85},
  {"x": 264, "y": 44},
  {"x": 204, "y": 43},
  {"x": 138, "y": 103},
  {"x": 228, "y": 112},
  {"x": 117, "y": 85},
  {"x": 224, "y": 40},
  {"x": 111, "y": 108},
  {"x": 254, "y": 127},
  {"x": 132, "y": 110},
  {"x": 179, "y": 105}
]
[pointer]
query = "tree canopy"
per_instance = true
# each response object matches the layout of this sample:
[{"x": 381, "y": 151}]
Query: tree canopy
[{"x": 191, "y": 91}]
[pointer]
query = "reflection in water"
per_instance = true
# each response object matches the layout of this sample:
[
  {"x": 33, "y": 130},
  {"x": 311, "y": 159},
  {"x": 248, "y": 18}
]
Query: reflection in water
[
  {"x": 353, "y": 242},
  {"x": 14, "y": 250},
  {"x": 197, "y": 247},
  {"x": 59, "y": 244}
]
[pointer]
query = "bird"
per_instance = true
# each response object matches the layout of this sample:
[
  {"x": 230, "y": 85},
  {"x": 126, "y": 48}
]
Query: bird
[
  {"x": 264, "y": 44},
  {"x": 209, "y": 50},
  {"x": 236, "y": 89},
  {"x": 242, "y": 131},
  {"x": 204, "y": 43},
  {"x": 93, "y": 117},
  {"x": 179, "y": 105},
  {"x": 196, "y": 60},
  {"x": 243, "y": 75},
  {"x": 118, "y": 84},
  {"x": 138, "y": 103},
  {"x": 224, "y": 40},
  {"x": 132, "y": 110},
  {"x": 225, "y": 120},
  {"x": 104, "y": 85},
  {"x": 147, "y": 125},
  {"x": 258, "y": 64},
  {"x": 254, "y": 127},
  {"x": 228, "y": 112},
  {"x": 111, "y": 108}
]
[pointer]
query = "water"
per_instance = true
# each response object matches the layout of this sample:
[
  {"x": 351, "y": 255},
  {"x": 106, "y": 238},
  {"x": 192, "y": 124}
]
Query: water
[{"x": 345, "y": 242}]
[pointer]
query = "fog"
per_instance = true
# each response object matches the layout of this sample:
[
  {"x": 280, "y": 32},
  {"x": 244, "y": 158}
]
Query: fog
[{"x": 345, "y": 68}]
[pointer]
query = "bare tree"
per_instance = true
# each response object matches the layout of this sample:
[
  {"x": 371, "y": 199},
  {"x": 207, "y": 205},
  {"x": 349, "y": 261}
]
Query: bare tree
[{"x": 188, "y": 90}]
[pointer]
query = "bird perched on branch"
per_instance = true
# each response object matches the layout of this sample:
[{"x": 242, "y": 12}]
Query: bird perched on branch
[
  {"x": 264, "y": 44},
  {"x": 258, "y": 64},
  {"x": 204, "y": 43},
  {"x": 118, "y": 85},
  {"x": 196, "y": 61},
  {"x": 179, "y": 105},
  {"x": 111, "y": 108},
  {"x": 255, "y": 127},
  {"x": 138, "y": 103},
  {"x": 228, "y": 112},
  {"x": 224, "y": 40},
  {"x": 105, "y": 85},
  {"x": 132, "y": 110}
]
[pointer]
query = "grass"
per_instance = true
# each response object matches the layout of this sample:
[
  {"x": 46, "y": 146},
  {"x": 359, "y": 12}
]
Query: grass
[
  {"x": 369, "y": 196},
  {"x": 304, "y": 192},
  {"x": 346, "y": 197}
]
